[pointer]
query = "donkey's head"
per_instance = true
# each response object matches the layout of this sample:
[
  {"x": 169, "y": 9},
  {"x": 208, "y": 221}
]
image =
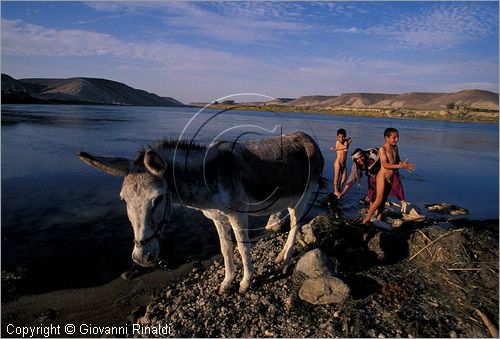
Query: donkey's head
[{"x": 148, "y": 198}]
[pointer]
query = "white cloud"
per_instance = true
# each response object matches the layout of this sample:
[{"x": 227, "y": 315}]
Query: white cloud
[
  {"x": 197, "y": 74},
  {"x": 440, "y": 26},
  {"x": 239, "y": 22},
  {"x": 24, "y": 39},
  {"x": 444, "y": 26}
]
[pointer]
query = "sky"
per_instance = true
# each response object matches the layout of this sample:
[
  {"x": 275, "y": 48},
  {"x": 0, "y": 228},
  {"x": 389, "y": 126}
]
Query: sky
[{"x": 202, "y": 51}]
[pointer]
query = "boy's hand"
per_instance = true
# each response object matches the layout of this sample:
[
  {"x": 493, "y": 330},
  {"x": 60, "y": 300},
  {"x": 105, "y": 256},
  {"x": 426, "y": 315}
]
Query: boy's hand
[{"x": 405, "y": 164}]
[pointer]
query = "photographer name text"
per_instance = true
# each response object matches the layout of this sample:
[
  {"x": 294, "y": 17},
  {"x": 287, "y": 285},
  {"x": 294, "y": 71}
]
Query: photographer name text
[{"x": 87, "y": 330}]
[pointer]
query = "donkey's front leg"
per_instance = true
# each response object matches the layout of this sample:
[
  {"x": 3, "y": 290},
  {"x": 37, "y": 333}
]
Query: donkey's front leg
[{"x": 239, "y": 223}]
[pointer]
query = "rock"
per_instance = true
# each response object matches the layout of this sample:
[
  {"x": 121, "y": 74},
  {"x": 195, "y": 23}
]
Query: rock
[
  {"x": 268, "y": 334},
  {"x": 277, "y": 221},
  {"x": 324, "y": 290},
  {"x": 445, "y": 208},
  {"x": 315, "y": 264},
  {"x": 375, "y": 245},
  {"x": 414, "y": 215},
  {"x": 137, "y": 313},
  {"x": 144, "y": 320},
  {"x": 309, "y": 233},
  {"x": 48, "y": 316}
]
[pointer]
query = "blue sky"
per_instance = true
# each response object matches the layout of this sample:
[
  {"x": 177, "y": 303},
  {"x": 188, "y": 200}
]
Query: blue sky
[{"x": 202, "y": 51}]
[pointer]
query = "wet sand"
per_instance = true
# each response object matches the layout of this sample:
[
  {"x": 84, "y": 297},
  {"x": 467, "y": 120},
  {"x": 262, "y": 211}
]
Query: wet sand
[{"x": 107, "y": 305}]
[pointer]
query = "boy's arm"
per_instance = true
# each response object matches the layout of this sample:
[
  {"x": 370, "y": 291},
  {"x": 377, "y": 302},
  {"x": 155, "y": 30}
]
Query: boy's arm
[
  {"x": 341, "y": 146},
  {"x": 350, "y": 181},
  {"x": 338, "y": 147},
  {"x": 387, "y": 165}
]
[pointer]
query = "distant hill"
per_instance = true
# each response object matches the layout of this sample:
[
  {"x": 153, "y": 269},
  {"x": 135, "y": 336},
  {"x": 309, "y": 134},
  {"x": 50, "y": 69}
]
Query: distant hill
[
  {"x": 14, "y": 91},
  {"x": 468, "y": 98},
  {"x": 311, "y": 100},
  {"x": 478, "y": 99},
  {"x": 279, "y": 101},
  {"x": 79, "y": 91}
]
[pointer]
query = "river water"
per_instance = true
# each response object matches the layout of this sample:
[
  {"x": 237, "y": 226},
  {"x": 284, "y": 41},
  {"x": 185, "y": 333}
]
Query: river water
[{"x": 64, "y": 226}]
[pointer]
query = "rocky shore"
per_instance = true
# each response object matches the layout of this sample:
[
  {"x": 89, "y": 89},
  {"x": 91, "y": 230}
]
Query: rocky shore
[
  {"x": 433, "y": 278},
  {"x": 430, "y": 277}
]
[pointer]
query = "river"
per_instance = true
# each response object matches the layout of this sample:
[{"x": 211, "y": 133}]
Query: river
[{"x": 63, "y": 224}]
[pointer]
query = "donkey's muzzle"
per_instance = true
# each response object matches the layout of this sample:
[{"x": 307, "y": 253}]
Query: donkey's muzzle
[
  {"x": 147, "y": 260},
  {"x": 145, "y": 256}
]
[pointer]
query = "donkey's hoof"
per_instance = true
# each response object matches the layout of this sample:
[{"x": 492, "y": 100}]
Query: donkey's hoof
[
  {"x": 223, "y": 288},
  {"x": 243, "y": 290},
  {"x": 280, "y": 257},
  {"x": 245, "y": 285}
]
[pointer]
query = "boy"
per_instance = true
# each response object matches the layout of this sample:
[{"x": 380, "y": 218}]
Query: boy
[
  {"x": 390, "y": 163},
  {"x": 368, "y": 161},
  {"x": 339, "y": 166}
]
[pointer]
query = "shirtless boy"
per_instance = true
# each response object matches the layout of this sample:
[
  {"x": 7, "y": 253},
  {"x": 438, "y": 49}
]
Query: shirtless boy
[
  {"x": 339, "y": 166},
  {"x": 390, "y": 163}
]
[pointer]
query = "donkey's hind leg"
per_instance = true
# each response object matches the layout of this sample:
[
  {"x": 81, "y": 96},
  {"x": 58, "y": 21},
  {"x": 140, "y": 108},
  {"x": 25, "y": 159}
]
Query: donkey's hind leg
[
  {"x": 239, "y": 222},
  {"x": 295, "y": 214}
]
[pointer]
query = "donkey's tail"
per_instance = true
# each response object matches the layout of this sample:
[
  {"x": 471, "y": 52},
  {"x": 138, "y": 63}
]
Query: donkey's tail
[{"x": 322, "y": 182}]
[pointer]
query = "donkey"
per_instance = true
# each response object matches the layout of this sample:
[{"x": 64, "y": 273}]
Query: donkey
[{"x": 226, "y": 181}]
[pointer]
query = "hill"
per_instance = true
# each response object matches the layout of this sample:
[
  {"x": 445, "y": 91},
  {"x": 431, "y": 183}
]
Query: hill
[
  {"x": 14, "y": 92},
  {"x": 79, "y": 90},
  {"x": 468, "y": 98},
  {"x": 475, "y": 99},
  {"x": 310, "y": 100}
]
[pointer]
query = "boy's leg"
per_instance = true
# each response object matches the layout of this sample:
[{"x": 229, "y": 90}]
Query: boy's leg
[
  {"x": 336, "y": 169},
  {"x": 387, "y": 190},
  {"x": 344, "y": 175},
  {"x": 398, "y": 191},
  {"x": 381, "y": 183}
]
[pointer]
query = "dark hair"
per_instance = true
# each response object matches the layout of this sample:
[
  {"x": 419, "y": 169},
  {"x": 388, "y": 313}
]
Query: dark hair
[
  {"x": 341, "y": 131},
  {"x": 389, "y": 131},
  {"x": 357, "y": 152}
]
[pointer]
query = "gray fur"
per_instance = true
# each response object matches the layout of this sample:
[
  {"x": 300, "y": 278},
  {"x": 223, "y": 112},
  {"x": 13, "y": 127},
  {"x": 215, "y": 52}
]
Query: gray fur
[{"x": 227, "y": 181}]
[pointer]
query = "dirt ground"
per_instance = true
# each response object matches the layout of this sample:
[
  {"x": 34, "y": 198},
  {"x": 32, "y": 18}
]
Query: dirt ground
[{"x": 424, "y": 279}]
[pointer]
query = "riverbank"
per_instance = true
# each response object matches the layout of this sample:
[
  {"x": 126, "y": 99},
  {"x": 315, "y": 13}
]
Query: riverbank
[
  {"x": 109, "y": 305},
  {"x": 455, "y": 115},
  {"x": 425, "y": 278}
]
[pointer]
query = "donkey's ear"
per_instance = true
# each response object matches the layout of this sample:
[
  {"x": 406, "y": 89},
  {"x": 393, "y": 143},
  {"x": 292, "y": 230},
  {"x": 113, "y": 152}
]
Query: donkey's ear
[
  {"x": 154, "y": 163},
  {"x": 112, "y": 165}
]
